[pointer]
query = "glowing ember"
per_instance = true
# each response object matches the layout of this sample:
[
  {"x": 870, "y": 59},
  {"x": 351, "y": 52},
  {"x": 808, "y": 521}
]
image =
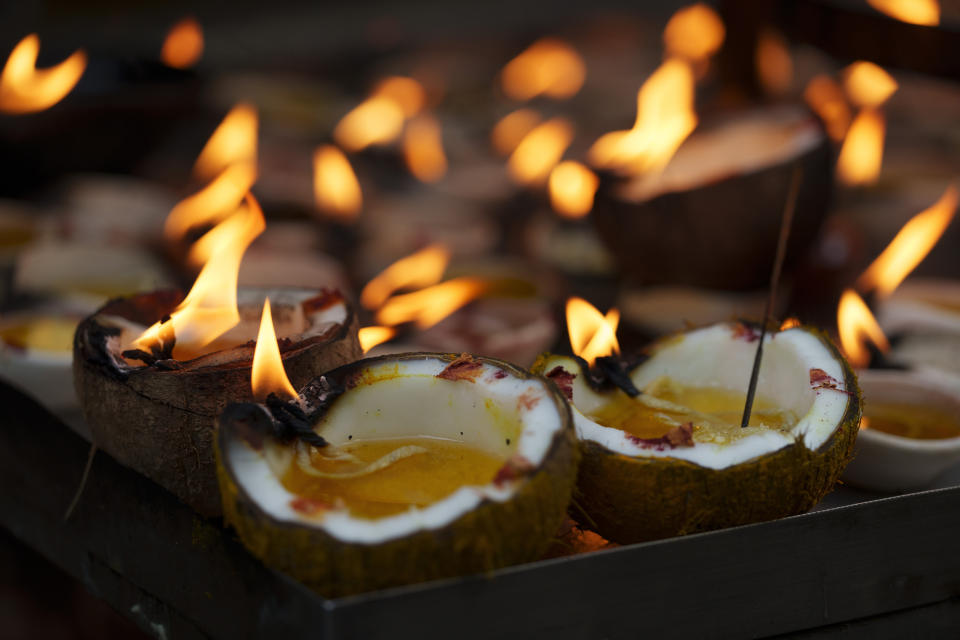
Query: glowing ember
[
  {"x": 774, "y": 64},
  {"x": 378, "y": 120},
  {"x": 826, "y": 99},
  {"x": 862, "y": 153},
  {"x": 923, "y": 12},
  {"x": 267, "y": 375},
  {"x": 910, "y": 246},
  {"x": 572, "y": 187},
  {"x": 423, "y": 148},
  {"x": 210, "y": 309},
  {"x": 183, "y": 45},
  {"x": 695, "y": 32},
  {"x": 26, "y": 89},
  {"x": 372, "y": 336},
  {"x": 867, "y": 84},
  {"x": 856, "y": 325},
  {"x": 407, "y": 93},
  {"x": 665, "y": 117},
  {"x": 539, "y": 151},
  {"x": 512, "y": 128},
  {"x": 421, "y": 269},
  {"x": 429, "y": 306},
  {"x": 335, "y": 186},
  {"x": 233, "y": 142},
  {"x": 592, "y": 334},
  {"x": 790, "y": 323},
  {"x": 212, "y": 204},
  {"x": 549, "y": 67}
]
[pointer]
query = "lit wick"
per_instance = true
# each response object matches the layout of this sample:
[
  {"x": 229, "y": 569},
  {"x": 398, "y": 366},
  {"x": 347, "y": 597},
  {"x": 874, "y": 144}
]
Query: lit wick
[
  {"x": 267, "y": 375},
  {"x": 785, "y": 225}
]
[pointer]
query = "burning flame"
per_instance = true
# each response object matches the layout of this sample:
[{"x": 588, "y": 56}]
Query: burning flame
[
  {"x": 861, "y": 155},
  {"x": 372, "y": 336},
  {"x": 910, "y": 246},
  {"x": 233, "y": 142},
  {"x": 825, "y": 97},
  {"x": 407, "y": 93},
  {"x": 790, "y": 323},
  {"x": 695, "y": 33},
  {"x": 421, "y": 269},
  {"x": 423, "y": 148},
  {"x": 378, "y": 120},
  {"x": 184, "y": 44},
  {"x": 246, "y": 219},
  {"x": 774, "y": 64},
  {"x": 210, "y": 309},
  {"x": 539, "y": 151},
  {"x": 26, "y": 89},
  {"x": 512, "y": 128},
  {"x": 923, "y": 12},
  {"x": 429, "y": 306},
  {"x": 665, "y": 117},
  {"x": 212, "y": 204},
  {"x": 335, "y": 186},
  {"x": 856, "y": 325},
  {"x": 592, "y": 334},
  {"x": 549, "y": 67},
  {"x": 572, "y": 187},
  {"x": 267, "y": 375},
  {"x": 867, "y": 84}
]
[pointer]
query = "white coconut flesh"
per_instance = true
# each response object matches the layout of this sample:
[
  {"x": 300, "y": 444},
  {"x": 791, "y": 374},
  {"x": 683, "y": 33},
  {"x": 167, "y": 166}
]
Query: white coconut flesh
[
  {"x": 499, "y": 413},
  {"x": 718, "y": 357},
  {"x": 290, "y": 320}
]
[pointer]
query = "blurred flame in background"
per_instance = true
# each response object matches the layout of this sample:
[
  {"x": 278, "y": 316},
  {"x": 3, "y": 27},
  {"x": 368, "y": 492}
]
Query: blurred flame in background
[
  {"x": 773, "y": 62},
  {"x": 423, "y": 148},
  {"x": 856, "y": 325},
  {"x": 695, "y": 33},
  {"x": 922, "y": 12},
  {"x": 539, "y": 151},
  {"x": 549, "y": 67},
  {"x": 572, "y": 188},
  {"x": 183, "y": 45},
  {"x": 826, "y": 98},
  {"x": 867, "y": 84},
  {"x": 378, "y": 120},
  {"x": 592, "y": 334},
  {"x": 861, "y": 155},
  {"x": 26, "y": 89},
  {"x": 512, "y": 128},
  {"x": 420, "y": 269},
  {"x": 429, "y": 306},
  {"x": 245, "y": 219},
  {"x": 336, "y": 189},
  {"x": 233, "y": 142},
  {"x": 372, "y": 336},
  {"x": 406, "y": 93},
  {"x": 267, "y": 375}
]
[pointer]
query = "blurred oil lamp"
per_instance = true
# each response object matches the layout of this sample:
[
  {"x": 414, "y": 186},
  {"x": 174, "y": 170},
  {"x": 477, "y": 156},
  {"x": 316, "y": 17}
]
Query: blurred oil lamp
[
  {"x": 183, "y": 45},
  {"x": 154, "y": 369},
  {"x": 550, "y": 67}
]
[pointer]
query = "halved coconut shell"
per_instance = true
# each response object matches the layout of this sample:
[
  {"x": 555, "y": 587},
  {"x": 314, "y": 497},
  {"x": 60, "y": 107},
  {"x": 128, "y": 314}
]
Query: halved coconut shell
[
  {"x": 633, "y": 489},
  {"x": 508, "y": 520},
  {"x": 158, "y": 418},
  {"x": 711, "y": 218}
]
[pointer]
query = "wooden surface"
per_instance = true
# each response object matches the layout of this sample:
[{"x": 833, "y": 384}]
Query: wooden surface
[{"x": 871, "y": 568}]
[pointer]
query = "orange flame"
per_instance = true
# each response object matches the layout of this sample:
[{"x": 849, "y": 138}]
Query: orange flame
[
  {"x": 335, "y": 186},
  {"x": 183, "y": 45},
  {"x": 511, "y": 129},
  {"x": 378, "y": 120},
  {"x": 539, "y": 151},
  {"x": 549, "y": 67},
  {"x": 695, "y": 33},
  {"x": 592, "y": 334},
  {"x": 923, "y": 12},
  {"x": 861, "y": 155},
  {"x": 790, "y": 323},
  {"x": 26, "y": 89},
  {"x": 212, "y": 204},
  {"x": 372, "y": 336},
  {"x": 867, "y": 84},
  {"x": 826, "y": 99},
  {"x": 910, "y": 246},
  {"x": 267, "y": 375},
  {"x": 423, "y": 148},
  {"x": 407, "y": 93},
  {"x": 245, "y": 219},
  {"x": 665, "y": 117},
  {"x": 429, "y": 306},
  {"x": 774, "y": 64},
  {"x": 233, "y": 142},
  {"x": 572, "y": 187},
  {"x": 210, "y": 309},
  {"x": 856, "y": 325},
  {"x": 421, "y": 269}
]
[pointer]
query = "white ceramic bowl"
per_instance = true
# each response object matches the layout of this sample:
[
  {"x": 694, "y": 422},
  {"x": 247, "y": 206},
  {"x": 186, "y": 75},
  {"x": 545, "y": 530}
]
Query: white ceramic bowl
[{"x": 886, "y": 462}]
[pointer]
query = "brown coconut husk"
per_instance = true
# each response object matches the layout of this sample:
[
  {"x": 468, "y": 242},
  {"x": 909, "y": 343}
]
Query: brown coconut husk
[{"x": 158, "y": 418}]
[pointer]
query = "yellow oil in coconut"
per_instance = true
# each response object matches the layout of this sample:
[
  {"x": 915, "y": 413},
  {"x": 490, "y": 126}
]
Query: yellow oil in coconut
[
  {"x": 714, "y": 412},
  {"x": 43, "y": 334},
  {"x": 910, "y": 421},
  {"x": 375, "y": 478}
]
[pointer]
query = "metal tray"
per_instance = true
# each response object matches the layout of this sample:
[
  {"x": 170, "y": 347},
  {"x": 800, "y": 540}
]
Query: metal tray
[{"x": 858, "y": 566}]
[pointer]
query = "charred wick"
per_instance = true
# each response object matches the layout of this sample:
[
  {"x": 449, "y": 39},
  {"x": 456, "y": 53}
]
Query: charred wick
[
  {"x": 612, "y": 371},
  {"x": 292, "y": 422}
]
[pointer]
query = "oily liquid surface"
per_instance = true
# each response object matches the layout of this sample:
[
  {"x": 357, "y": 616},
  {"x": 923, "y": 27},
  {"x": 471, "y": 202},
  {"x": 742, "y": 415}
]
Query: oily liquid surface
[
  {"x": 436, "y": 468},
  {"x": 714, "y": 412},
  {"x": 910, "y": 421}
]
